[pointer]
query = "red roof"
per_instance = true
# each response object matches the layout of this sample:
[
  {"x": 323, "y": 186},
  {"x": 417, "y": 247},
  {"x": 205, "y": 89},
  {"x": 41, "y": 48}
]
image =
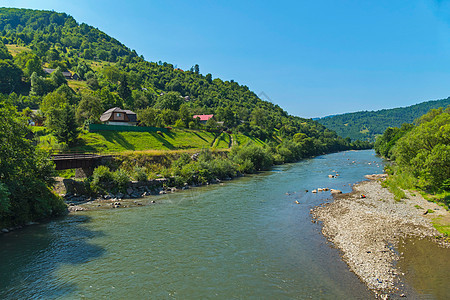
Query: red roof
[{"x": 203, "y": 117}]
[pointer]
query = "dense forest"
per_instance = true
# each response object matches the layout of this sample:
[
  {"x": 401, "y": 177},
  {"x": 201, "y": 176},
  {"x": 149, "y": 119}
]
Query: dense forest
[
  {"x": 366, "y": 125},
  {"x": 421, "y": 152},
  {"x": 63, "y": 75}
]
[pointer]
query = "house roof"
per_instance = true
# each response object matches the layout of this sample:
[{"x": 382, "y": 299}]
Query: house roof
[
  {"x": 107, "y": 114},
  {"x": 50, "y": 71},
  {"x": 203, "y": 117}
]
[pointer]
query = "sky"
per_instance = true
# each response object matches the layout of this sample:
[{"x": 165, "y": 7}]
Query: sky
[{"x": 313, "y": 58}]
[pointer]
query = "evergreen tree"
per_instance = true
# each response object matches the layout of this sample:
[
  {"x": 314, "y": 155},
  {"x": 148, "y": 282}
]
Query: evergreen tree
[{"x": 62, "y": 123}]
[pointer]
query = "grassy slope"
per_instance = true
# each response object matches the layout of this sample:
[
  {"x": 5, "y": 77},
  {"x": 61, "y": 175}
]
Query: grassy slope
[
  {"x": 16, "y": 49},
  {"x": 116, "y": 142}
]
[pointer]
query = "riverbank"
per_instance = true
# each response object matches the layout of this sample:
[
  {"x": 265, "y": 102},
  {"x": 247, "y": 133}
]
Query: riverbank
[{"x": 367, "y": 225}]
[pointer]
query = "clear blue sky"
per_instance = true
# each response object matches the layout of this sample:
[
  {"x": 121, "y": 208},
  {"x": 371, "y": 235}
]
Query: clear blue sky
[{"x": 313, "y": 58}]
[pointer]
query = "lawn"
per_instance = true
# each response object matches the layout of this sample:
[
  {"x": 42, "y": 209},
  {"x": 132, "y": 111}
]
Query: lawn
[
  {"x": 242, "y": 139},
  {"x": 118, "y": 142},
  {"x": 176, "y": 139}
]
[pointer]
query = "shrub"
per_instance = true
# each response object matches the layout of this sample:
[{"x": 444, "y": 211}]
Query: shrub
[
  {"x": 183, "y": 160},
  {"x": 102, "y": 179},
  {"x": 261, "y": 158},
  {"x": 120, "y": 179},
  {"x": 222, "y": 168},
  {"x": 140, "y": 174}
]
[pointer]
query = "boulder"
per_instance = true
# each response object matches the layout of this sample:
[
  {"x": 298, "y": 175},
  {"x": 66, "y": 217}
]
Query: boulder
[{"x": 333, "y": 191}]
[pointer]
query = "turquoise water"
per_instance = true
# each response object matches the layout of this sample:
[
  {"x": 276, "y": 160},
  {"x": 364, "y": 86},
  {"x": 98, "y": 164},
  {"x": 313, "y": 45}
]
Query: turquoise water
[{"x": 244, "y": 239}]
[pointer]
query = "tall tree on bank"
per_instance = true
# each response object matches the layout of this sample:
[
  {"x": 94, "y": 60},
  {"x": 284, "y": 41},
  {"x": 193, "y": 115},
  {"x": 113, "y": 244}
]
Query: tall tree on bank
[{"x": 25, "y": 174}]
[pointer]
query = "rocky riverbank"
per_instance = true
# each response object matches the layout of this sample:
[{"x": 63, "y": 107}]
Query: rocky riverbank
[
  {"x": 367, "y": 225},
  {"x": 78, "y": 199}
]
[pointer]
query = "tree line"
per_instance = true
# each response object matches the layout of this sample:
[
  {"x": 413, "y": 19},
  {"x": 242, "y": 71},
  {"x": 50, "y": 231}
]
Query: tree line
[{"x": 421, "y": 151}]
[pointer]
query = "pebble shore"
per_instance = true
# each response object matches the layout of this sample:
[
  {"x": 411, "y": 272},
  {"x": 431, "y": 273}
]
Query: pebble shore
[{"x": 367, "y": 225}]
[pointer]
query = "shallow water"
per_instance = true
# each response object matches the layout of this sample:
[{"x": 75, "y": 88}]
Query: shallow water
[
  {"x": 426, "y": 267},
  {"x": 244, "y": 239}
]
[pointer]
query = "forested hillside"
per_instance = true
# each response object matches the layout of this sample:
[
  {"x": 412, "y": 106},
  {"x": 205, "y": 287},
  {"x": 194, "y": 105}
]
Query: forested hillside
[
  {"x": 421, "y": 153},
  {"x": 112, "y": 75},
  {"x": 366, "y": 125}
]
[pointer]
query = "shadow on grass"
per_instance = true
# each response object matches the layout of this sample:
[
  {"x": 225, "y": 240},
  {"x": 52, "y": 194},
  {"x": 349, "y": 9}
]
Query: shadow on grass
[
  {"x": 199, "y": 136},
  {"x": 164, "y": 142},
  {"x": 31, "y": 257},
  {"x": 115, "y": 137}
]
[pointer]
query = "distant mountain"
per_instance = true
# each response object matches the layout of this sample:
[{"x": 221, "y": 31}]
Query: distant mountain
[{"x": 365, "y": 125}]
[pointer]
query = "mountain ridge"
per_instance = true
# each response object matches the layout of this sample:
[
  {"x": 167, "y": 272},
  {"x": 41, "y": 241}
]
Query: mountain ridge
[{"x": 366, "y": 125}]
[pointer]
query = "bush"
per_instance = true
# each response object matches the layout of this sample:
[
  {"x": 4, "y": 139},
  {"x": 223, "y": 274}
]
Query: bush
[
  {"x": 260, "y": 158},
  {"x": 183, "y": 160},
  {"x": 102, "y": 179},
  {"x": 140, "y": 174},
  {"x": 120, "y": 179},
  {"x": 222, "y": 168}
]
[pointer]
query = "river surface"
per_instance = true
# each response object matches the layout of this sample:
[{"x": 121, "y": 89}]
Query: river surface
[{"x": 246, "y": 238}]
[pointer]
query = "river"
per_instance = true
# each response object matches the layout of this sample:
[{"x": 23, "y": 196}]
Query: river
[{"x": 246, "y": 238}]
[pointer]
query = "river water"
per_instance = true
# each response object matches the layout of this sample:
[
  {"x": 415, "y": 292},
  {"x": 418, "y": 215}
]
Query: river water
[{"x": 246, "y": 238}]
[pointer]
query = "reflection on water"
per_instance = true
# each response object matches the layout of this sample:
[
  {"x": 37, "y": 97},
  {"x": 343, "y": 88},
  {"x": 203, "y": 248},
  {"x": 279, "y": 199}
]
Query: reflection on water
[
  {"x": 245, "y": 239},
  {"x": 30, "y": 257},
  {"x": 426, "y": 267}
]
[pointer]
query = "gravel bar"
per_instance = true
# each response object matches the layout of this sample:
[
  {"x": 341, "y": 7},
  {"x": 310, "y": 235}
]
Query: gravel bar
[{"x": 367, "y": 225}]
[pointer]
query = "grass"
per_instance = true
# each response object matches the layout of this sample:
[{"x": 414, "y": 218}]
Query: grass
[
  {"x": 441, "y": 227},
  {"x": 66, "y": 174},
  {"x": 113, "y": 142},
  {"x": 222, "y": 141},
  {"x": 441, "y": 198},
  {"x": 242, "y": 139},
  {"x": 394, "y": 188},
  {"x": 16, "y": 49},
  {"x": 418, "y": 206},
  {"x": 176, "y": 139},
  {"x": 77, "y": 85}
]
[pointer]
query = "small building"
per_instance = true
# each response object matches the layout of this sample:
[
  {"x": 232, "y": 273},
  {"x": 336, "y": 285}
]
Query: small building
[
  {"x": 66, "y": 74},
  {"x": 118, "y": 116},
  {"x": 203, "y": 118}
]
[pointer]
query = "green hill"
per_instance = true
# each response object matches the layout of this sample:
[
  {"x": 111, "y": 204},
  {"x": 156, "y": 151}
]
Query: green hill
[
  {"x": 366, "y": 125},
  {"x": 108, "y": 74}
]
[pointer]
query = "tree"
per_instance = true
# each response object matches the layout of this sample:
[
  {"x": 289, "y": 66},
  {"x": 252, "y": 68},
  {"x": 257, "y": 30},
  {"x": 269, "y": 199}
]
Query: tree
[
  {"x": 33, "y": 65},
  {"x": 89, "y": 109},
  {"x": 211, "y": 124},
  {"x": 83, "y": 69},
  {"x": 227, "y": 116},
  {"x": 124, "y": 91},
  {"x": 10, "y": 77},
  {"x": 171, "y": 100},
  {"x": 61, "y": 121},
  {"x": 40, "y": 86},
  {"x": 208, "y": 78},
  {"x": 58, "y": 78},
  {"x": 197, "y": 69},
  {"x": 4, "y": 53},
  {"x": 147, "y": 117},
  {"x": 25, "y": 174},
  {"x": 54, "y": 100}
]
